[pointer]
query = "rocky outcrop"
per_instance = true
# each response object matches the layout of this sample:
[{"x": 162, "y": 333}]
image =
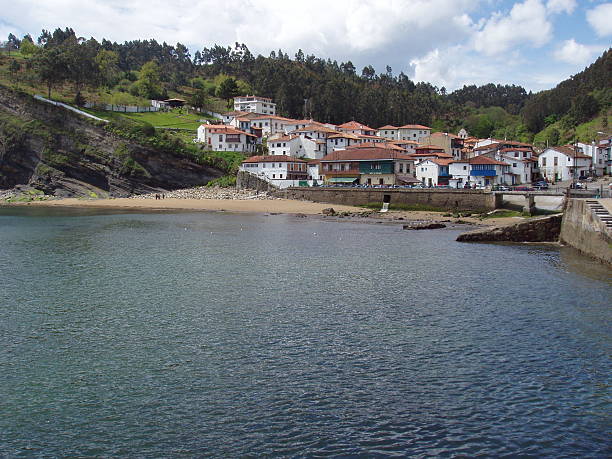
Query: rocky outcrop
[
  {"x": 540, "y": 229},
  {"x": 423, "y": 226},
  {"x": 64, "y": 154}
]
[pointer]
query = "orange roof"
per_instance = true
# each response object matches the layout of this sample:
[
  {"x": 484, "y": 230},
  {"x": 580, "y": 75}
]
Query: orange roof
[
  {"x": 273, "y": 159},
  {"x": 364, "y": 136},
  {"x": 344, "y": 135},
  {"x": 355, "y": 125},
  {"x": 376, "y": 145},
  {"x": 445, "y": 134},
  {"x": 365, "y": 154},
  {"x": 316, "y": 127},
  {"x": 429, "y": 147},
  {"x": 387, "y": 127},
  {"x": 414, "y": 126},
  {"x": 223, "y": 129},
  {"x": 569, "y": 151}
]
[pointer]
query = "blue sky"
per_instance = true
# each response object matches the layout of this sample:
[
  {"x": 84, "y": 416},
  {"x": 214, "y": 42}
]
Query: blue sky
[{"x": 532, "y": 43}]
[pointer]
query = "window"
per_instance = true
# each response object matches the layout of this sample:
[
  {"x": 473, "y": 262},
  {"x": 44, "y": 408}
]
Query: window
[
  {"x": 516, "y": 154},
  {"x": 273, "y": 175},
  {"x": 544, "y": 162},
  {"x": 220, "y": 138},
  {"x": 555, "y": 161},
  {"x": 401, "y": 167},
  {"x": 513, "y": 164},
  {"x": 465, "y": 168}
]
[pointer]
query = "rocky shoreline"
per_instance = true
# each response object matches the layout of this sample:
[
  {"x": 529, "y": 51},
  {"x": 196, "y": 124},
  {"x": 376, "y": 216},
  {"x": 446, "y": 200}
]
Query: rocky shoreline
[{"x": 204, "y": 192}]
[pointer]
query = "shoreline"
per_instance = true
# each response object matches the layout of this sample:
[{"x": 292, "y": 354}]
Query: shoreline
[{"x": 264, "y": 206}]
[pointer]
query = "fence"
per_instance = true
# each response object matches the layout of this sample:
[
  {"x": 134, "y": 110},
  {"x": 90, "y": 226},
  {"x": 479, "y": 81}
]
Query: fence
[
  {"x": 68, "y": 107},
  {"x": 122, "y": 108}
]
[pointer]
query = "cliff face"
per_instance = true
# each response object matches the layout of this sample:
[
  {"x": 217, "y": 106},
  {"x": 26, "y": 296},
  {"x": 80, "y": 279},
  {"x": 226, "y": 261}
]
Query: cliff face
[{"x": 64, "y": 154}]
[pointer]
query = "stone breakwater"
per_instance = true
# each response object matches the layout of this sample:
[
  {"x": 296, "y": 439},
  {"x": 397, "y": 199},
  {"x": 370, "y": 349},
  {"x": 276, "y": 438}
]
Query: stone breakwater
[
  {"x": 543, "y": 229},
  {"x": 210, "y": 193}
]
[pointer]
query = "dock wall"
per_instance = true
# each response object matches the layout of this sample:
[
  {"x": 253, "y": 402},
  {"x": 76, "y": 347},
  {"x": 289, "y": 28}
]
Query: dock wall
[
  {"x": 584, "y": 230},
  {"x": 474, "y": 200}
]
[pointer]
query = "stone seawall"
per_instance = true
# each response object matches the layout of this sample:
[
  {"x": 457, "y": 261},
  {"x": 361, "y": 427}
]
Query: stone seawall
[
  {"x": 542, "y": 229},
  {"x": 583, "y": 230},
  {"x": 474, "y": 200},
  {"x": 247, "y": 181}
]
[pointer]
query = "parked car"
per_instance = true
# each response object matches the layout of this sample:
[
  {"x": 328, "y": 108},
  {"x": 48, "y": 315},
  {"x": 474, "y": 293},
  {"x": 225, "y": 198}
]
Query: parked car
[
  {"x": 500, "y": 188},
  {"x": 540, "y": 185},
  {"x": 577, "y": 186},
  {"x": 523, "y": 188},
  {"x": 443, "y": 186}
]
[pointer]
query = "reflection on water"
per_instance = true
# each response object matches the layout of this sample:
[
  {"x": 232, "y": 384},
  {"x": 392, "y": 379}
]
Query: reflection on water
[{"x": 206, "y": 334}]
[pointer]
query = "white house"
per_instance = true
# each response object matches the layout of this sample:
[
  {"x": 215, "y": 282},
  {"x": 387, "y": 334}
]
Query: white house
[
  {"x": 388, "y": 132},
  {"x": 282, "y": 171},
  {"x": 433, "y": 172},
  {"x": 353, "y": 127},
  {"x": 460, "y": 173},
  {"x": 255, "y": 104},
  {"x": 288, "y": 145},
  {"x": 415, "y": 132},
  {"x": 522, "y": 164},
  {"x": 563, "y": 163},
  {"x": 462, "y": 134},
  {"x": 605, "y": 147},
  {"x": 219, "y": 137},
  {"x": 228, "y": 117},
  {"x": 341, "y": 141},
  {"x": 598, "y": 157}
]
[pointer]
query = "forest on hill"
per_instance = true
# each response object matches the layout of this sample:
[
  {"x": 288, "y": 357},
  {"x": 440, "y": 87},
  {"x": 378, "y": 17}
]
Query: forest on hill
[{"x": 303, "y": 86}]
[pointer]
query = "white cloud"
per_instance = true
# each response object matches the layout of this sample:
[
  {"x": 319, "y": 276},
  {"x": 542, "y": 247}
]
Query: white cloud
[
  {"x": 600, "y": 19},
  {"x": 561, "y": 6},
  {"x": 526, "y": 23},
  {"x": 575, "y": 53},
  {"x": 384, "y": 29}
]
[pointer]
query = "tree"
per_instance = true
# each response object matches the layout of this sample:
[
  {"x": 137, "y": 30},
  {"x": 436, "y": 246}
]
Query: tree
[
  {"x": 51, "y": 67},
  {"x": 108, "y": 69},
  {"x": 228, "y": 89},
  {"x": 199, "y": 99},
  {"x": 148, "y": 84},
  {"x": 553, "y": 137},
  {"x": 27, "y": 47}
]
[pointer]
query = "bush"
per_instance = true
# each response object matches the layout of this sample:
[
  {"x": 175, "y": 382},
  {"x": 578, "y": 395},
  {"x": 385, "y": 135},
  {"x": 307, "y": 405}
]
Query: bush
[{"x": 226, "y": 181}]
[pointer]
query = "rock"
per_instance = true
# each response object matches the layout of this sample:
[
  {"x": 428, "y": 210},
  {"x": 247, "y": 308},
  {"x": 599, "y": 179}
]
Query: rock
[
  {"x": 423, "y": 226},
  {"x": 544, "y": 229},
  {"x": 328, "y": 211}
]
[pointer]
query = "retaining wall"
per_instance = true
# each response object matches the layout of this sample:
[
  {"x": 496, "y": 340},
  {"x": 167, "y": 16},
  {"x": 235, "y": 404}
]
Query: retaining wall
[
  {"x": 245, "y": 180},
  {"x": 474, "y": 200},
  {"x": 582, "y": 230}
]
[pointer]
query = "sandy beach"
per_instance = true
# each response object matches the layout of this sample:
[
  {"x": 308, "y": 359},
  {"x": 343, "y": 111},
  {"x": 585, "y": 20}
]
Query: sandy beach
[
  {"x": 266, "y": 206},
  {"x": 283, "y": 206}
]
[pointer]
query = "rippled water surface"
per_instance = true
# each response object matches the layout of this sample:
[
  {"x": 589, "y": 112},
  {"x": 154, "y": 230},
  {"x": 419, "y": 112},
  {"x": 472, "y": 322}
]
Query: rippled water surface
[{"x": 205, "y": 334}]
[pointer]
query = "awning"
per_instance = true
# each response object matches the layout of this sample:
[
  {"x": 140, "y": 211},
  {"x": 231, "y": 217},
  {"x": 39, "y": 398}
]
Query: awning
[
  {"x": 342, "y": 179},
  {"x": 407, "y": 179}
]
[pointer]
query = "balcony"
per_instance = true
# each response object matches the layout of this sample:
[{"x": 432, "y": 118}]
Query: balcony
[{"x": 483, "y": 173}]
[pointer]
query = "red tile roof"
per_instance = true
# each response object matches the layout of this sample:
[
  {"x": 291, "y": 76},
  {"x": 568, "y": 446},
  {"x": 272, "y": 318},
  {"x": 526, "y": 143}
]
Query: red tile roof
[
  {"x": 429, "y": 147},
  {"x": 376, "y": 145},
  {"x": 273, "y": 159},
  {"x": 355, "y": 125},
  {"x": 223, "y": 129},
  {"x": 388, "y": 127},
  {"x": 414, "y": 126}
]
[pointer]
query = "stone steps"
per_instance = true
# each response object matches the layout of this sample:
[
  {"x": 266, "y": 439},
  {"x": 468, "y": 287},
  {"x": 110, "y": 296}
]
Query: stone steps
[{"x": 601, "y": 212}]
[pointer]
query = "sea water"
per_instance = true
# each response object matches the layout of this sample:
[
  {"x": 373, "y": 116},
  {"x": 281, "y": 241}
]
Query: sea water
[{"x": 210, "y": 334}]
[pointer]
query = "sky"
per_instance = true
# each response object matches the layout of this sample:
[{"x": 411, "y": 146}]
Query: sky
[{"x": 449, "y": 43}]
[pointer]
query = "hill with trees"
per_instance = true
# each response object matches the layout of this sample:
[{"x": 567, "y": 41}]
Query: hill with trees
[{"x": 76, "y": 69}]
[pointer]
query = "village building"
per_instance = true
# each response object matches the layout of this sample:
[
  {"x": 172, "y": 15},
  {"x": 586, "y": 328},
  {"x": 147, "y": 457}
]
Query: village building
[
  {"x": 409, "y": 146},
  {"x": 219, "y": 137},
  {"x": 228, "y": 117},
  {"x": 353, "y": 127},
  {"x": 416, "y": 132},
  {"x": 367, "y": 166},
  {"x": 598, "y": 157},
  {"x": 255, "y": 104},
  {"x": 281, "y": 171},
  {"x": 433, "y": 172},
  {"x": 342, "y": 141},
  {"x": 388, "y": 132},
  {"x": 462, "y": 134},
  {"x": 451, "y": 143},
  {"x": 563, "y": 163},
  {"x": 605, "y": 147}
]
